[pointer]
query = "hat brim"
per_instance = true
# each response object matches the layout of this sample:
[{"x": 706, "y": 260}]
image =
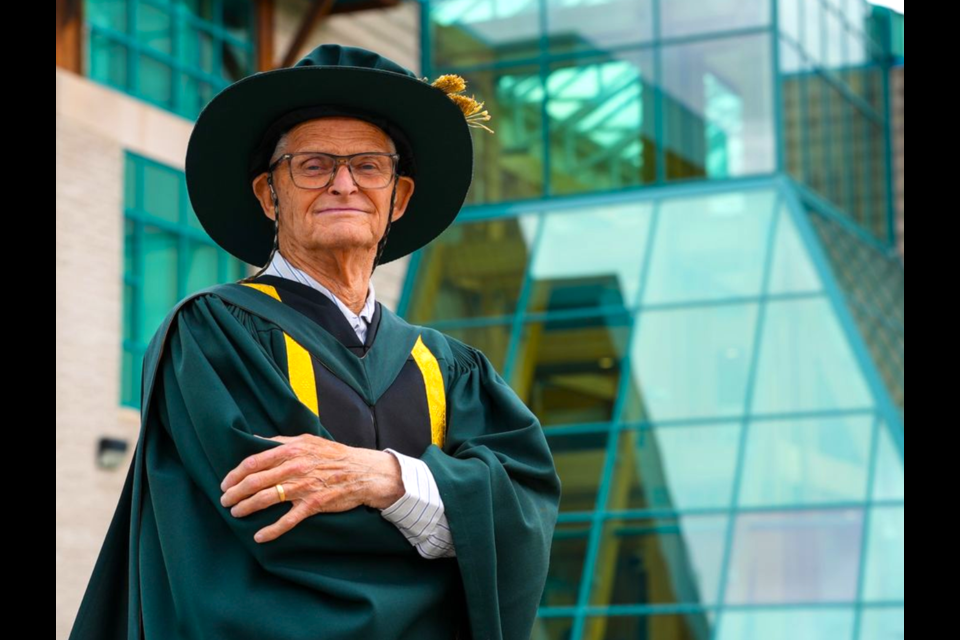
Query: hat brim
[{"x": 230, "y": 126}]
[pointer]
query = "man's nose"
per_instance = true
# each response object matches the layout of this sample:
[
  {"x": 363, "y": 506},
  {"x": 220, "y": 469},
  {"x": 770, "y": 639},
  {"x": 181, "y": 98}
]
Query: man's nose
[{"x": 343, "y": 181}]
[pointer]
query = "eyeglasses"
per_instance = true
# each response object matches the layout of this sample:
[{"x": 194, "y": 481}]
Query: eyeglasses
[{"x": 315, "y": 170}]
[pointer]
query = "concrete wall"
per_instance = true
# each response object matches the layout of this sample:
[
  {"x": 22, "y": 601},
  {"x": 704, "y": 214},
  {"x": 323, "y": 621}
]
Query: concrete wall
[{"x": 95, "y": 124}]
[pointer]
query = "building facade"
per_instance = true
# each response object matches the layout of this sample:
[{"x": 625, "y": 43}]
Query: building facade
[
  {"x": 684, "y": 251},
  {"x": 683, "y": 247}
]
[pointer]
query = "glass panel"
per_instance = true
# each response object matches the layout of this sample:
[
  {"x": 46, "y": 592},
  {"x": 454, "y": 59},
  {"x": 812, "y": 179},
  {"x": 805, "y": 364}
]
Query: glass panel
[
  {"x": 160, "y": 277},
  {"x": 237, "y": 61},
  {"x": 888, "y": 480},
  {"x": 130, "y": 250},
  {"x": 509, "y": 164},
  {"x": 203, "y": 9},
  {"x": 137, "y": 381},
  {"x": 816, "y": 145},
  {"x": 601, "y": 123},
  {"x": 156, "y": 82},
  {"x": 873, "y": 284},
  {"x": 718, "y": 107},
  {"x": 576, "y": 25},
  {"x": 853, "y": 174},
  {"x": 883, "y": 579},
  {"x": 579, "y": 459},
  {"x": 789, "y": 15},
  {"x": 833, "y": 38},
  {"x": 552, "y": 628},
  {"x": 194, "y": 95},
  {"x": 238, "y": 17},
  {"x": 469, "y": 32},
  {"x": 129, "y": 313},
  {"x": 568, "y": 371},
  {"x": 154, "y": 27},
  {"x": 129, "y": 379},
  {"x": 873, "y": 88},
  {"x": 567, "y": 554},
  {"x": 161, "y": 192},
  {"x": 197, "y": 48},
  {"x": 877, "y": 212},
  {"x": 859, "y": 207},
  {"x": 108, "y": 61},
  {"x": 790, "y": 624},
  {"x": 492, "y": 340},
  {"x": 473, "y": 270},
  {"x": 836, "y": 132},
  {"x": 853, "y": 59},
  {"x": 686, "y": 626},
  {"x": 238, "y": 270},
  {"x": 860, "y": 11},
  {"x": 793, "y": 70},
  {"x": 688, "y": 17},
  {"x": 811, "y": 461},
  {"x": 659, "y": 561},
  {"x": 813, "y": 31},
  {"x": 792, "y": 270},
  {"x": 130, "y": 173},
  {"x": 844, "y": 110},
  {"x": 711, "y": 247},
  {"x": 159, "y": 76},
  {"x": 111, "y": 14},
  {"x": 192, "y": 221},
  {"x": 693, "y": 362},
  {"x": 806, "y": 362},
  {"x": 201, "y": 266},
  {"x": 881, "y": 624},
  {"x": 678, "y": 468},
  {"x": 590, "y": 258},
  {"x": 795, "y": 556}
]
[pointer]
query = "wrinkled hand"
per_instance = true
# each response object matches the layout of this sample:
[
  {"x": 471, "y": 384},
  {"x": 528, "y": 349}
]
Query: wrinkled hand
[{"x": 318, "y": 476}]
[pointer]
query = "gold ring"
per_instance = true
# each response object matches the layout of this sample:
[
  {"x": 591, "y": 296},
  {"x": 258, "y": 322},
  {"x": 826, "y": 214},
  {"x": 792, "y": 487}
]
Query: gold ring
[{"x": 283, "y": 495}]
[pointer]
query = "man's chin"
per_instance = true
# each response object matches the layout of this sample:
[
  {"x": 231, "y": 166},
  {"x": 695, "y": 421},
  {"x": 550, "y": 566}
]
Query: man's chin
[{"x": 331, "y": 239}]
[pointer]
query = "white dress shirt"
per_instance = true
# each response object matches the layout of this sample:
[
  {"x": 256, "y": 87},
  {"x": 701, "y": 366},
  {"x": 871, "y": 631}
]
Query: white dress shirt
[{"x": 418, "y": 514}]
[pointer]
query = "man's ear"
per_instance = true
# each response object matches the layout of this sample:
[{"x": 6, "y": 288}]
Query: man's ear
[
  {"x": 261, "y": 189},
  {"x": 405, "y": 187}
]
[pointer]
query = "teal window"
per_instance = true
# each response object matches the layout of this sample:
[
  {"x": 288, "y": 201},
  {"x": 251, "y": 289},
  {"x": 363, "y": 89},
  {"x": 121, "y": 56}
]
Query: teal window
[
  {"x": 592, "y": 97},
  {"x": 175, "y": 54},
  {"x": 599, "y": 96},
  {"x": 167, "y": 255}
]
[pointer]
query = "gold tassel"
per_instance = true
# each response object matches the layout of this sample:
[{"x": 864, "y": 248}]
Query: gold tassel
[{"x": 452, "y": 84}]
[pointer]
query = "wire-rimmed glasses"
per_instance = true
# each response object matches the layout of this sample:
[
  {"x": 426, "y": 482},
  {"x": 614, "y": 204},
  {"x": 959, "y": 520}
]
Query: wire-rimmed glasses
[{"x": 315, "y": 169}]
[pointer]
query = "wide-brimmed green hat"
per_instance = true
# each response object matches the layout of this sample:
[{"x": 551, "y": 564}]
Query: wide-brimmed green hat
[{"x": 236, "y": 133}]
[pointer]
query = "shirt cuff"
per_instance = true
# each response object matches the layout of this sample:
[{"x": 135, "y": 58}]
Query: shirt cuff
[{"x": 419, "y": 513}]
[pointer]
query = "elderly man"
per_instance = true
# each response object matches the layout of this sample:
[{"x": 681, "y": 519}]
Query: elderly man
[{"x": 309, "y": 464}]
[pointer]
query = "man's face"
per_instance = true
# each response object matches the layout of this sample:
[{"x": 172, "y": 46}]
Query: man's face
[{"x": 305, "y": 220}]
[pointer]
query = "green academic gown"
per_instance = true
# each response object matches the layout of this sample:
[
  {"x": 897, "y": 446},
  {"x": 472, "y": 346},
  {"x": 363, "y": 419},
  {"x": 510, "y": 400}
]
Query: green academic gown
[{"x": 236, "y": 361}]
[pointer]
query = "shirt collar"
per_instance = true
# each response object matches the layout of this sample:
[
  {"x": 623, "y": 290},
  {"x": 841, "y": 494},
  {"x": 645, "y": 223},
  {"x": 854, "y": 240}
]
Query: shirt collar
[{"x": 282, "y": 267}]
